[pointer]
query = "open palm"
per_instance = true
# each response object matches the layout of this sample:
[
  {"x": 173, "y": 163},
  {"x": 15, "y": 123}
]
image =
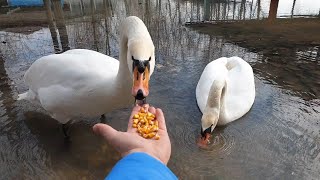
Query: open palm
[{"x": 128, "y": 142}]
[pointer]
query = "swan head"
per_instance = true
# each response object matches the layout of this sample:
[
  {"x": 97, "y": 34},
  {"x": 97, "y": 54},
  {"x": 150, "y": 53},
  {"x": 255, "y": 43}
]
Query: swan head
[
  {"x": 209, "y": 121},
  {"x": 141, "y": 63}
]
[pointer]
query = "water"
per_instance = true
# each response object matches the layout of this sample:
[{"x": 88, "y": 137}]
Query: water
[{"x": 278, "y": 139}]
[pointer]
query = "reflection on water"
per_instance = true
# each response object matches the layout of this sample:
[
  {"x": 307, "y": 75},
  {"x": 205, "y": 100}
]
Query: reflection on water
[{"x": 277, "y": 139}]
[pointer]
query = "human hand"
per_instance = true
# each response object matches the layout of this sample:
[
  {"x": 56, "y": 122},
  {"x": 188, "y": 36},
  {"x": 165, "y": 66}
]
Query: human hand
[{"x": 129, "y": 142}]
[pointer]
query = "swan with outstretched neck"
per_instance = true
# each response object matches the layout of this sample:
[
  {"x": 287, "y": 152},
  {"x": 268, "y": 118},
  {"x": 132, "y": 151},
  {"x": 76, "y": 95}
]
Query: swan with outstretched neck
[
  {"x": 225, "y": 92},
  {"x": 82, "y": 82}
]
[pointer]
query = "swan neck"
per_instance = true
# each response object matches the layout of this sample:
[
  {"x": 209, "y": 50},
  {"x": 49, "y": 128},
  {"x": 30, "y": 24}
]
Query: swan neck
[
  {"x": 216, "y": 94},
  {"x": 124, "y": 76}
]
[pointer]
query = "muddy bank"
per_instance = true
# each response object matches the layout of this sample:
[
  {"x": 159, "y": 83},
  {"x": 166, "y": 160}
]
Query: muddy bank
[
  {"x": 20, "y": 19},
  {"x": 260, "y": 35}
]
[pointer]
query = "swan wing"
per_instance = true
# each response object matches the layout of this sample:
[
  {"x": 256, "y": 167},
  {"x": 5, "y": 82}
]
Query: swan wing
[
  {"x": 64, "y": 82},
  {"x": 240, "y": 92}
]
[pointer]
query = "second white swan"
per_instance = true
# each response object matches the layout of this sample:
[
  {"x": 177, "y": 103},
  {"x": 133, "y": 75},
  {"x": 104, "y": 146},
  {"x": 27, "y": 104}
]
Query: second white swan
[{"x": 225, "y": 92}]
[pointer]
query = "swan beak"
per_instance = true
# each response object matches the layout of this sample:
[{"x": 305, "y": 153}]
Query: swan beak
[
  {"x": 140, "y": 88},
  {"x": 204, "y": 140},
  {"x": 206, "y": 134}
]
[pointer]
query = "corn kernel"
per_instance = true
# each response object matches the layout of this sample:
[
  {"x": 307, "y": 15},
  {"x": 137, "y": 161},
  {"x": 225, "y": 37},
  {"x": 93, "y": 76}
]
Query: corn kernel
[
  {"x": 145, "y": 135},
  {"x": 135, "y": 121},
  {"x": 152, "y": 134},
  {"x": 136, "y": 116},
  {"x": 157, "y": 137},
  {"x": 149, "y": 118},
  {"x": 134, "y": 125}
]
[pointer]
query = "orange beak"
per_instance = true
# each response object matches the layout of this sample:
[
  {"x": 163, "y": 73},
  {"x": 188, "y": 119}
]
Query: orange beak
[
  {"x": 204, "y": 141},
  {"x": 140, "y": 88}
]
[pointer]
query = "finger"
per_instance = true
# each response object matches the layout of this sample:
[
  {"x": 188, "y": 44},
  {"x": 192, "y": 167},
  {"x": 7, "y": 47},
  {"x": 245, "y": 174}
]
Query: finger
[
  {"x": 146, "y": 106},
  {"x": 161, "y": 119},
  {"x": 152, "y": 110},
  {"x": 107, "y": 132},
  {"x": 135, "y": 110}
]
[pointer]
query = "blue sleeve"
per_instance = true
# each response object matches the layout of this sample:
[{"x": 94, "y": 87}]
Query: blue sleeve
[{"x": 140, "y": 166}]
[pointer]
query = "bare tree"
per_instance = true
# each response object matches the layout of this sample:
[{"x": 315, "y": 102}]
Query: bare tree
[
  {"x": 94, "y": 27},
  {"x": 234, "y": 8},
  {"x": 206, "y": 10},
  {"x": 294, "y": 3},
  {"x": 251, "y": 9},
  {"x": 61, "y": 25},
  {"x": 52, "y": 27},
  {"x": 106, "y": 4},
  {"x": 259, "y": 9},
  {"x": 273, "y": 10}
]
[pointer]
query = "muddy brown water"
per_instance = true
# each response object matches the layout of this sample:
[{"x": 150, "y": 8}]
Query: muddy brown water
[{"x": 279, "y": 138}]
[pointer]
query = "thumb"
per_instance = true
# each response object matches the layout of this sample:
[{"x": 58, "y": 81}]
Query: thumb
[{"x": 106, "y": 131}]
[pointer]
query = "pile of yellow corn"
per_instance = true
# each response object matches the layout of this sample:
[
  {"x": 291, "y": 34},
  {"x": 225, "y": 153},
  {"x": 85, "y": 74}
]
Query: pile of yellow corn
[{"x": 146, "y": 124}]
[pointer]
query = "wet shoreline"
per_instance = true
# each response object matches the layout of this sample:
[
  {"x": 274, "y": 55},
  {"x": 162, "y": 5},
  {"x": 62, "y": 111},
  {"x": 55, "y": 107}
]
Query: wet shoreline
[{"x": 260, "y": 35}]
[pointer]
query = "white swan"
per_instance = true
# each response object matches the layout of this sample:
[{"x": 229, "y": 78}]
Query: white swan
[
  {"x": 86, "y": 83},
  {"x": 225, "y": 92}
]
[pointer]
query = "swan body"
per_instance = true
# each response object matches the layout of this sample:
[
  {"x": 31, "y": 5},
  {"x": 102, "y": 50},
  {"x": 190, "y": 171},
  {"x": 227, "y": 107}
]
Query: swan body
[
  {"x": 225, "y": 91},
  {"x": 82, "y": 82}
]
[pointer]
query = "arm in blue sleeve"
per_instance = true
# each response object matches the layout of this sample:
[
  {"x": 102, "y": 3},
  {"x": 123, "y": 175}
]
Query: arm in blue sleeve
[{"x": 140, "y": 166}]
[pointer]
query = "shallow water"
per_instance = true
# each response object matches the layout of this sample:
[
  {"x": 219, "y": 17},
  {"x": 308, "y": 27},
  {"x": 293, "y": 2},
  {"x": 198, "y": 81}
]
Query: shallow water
[{"x": 279, "y": 138}]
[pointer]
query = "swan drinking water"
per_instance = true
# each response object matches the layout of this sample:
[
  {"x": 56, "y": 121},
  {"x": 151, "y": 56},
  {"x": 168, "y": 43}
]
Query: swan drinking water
[
  {"x": 86, "y": 83},
  {"x": 225, "y": 92}
]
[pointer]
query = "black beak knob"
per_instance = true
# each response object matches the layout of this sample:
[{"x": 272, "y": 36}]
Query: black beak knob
[
  {"x": 140, "y": 95},
  {"x": 207, "y": 131}
]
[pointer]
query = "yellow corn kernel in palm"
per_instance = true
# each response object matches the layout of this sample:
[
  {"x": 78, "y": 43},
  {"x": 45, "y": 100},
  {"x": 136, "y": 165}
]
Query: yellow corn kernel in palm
[
  {"x": 157, "y": 137},
  {"x": 154, "y": 128},
  {"x": 134, "y": 125},
  {"x": 152, "y": 134},
  {"x": 150, "y": 118},
  {"x": 136, "y": 116},
  {"x": 135, "y": 121}
]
